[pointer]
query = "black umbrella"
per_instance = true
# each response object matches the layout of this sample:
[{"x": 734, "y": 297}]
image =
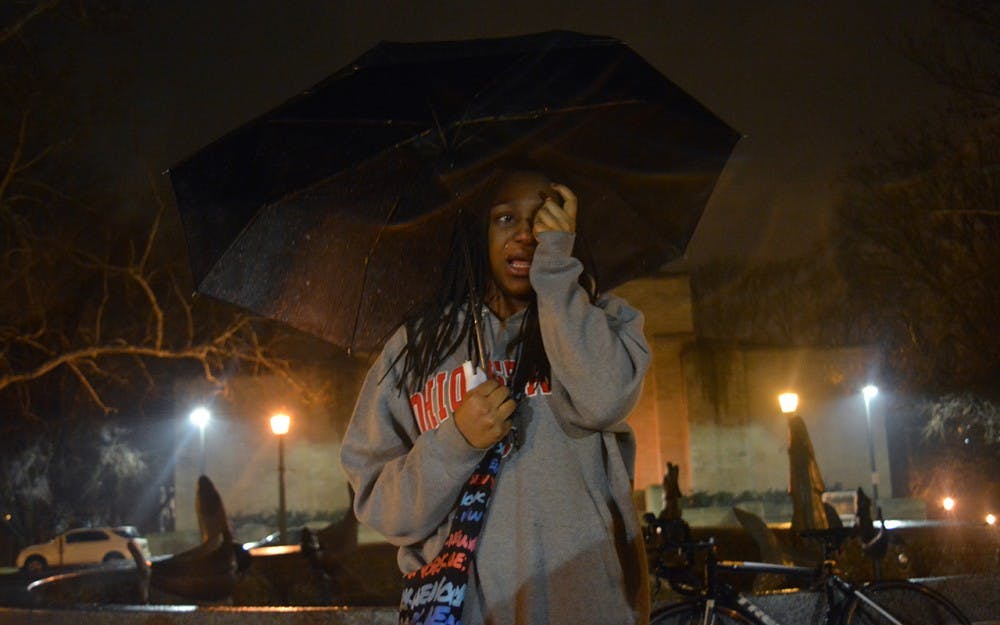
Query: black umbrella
[{"x": 333, "y": 212}]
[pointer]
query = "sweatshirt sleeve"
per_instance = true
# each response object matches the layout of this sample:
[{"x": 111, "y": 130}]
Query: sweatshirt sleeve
[
  {"x": 597, "y": 352},
  {"x": 405, "y": 483}
]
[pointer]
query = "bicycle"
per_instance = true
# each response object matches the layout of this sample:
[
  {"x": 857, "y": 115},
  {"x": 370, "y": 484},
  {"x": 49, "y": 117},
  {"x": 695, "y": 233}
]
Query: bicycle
[{"x": 714, "y": 601}]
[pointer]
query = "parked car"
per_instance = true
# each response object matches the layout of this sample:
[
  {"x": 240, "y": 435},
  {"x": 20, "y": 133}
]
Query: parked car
[{"x": 85, "y": 545}]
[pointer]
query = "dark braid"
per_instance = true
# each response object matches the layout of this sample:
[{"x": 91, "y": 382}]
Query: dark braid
[{"x": 439, "y": 327}]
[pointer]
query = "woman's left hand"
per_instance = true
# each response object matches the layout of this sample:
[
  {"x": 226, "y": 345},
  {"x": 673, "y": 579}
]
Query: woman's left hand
[{"x": 556, "y": 216}]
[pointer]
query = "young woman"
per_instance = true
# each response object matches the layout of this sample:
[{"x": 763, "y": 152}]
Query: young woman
[{"x": 560, "y": 542}]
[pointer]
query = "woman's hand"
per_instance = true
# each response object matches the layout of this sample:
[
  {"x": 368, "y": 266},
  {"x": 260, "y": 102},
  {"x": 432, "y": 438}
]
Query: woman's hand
[
  {"x": 553, "y": 215},
  {"x": 483, "y": 418}
]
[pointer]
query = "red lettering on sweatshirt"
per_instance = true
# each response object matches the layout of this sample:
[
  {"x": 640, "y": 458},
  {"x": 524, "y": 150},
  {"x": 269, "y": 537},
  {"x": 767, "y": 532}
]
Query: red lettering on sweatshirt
[
  {"x": 443, "y": 393},
  {"x": 427, "y": 398},
  {"x": 441, "y": 410},
  {"x": 456, "y": 387}
]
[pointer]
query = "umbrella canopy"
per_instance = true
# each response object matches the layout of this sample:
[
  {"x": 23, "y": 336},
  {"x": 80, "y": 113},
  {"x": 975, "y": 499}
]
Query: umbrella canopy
[{"x": 333, "y": 212}]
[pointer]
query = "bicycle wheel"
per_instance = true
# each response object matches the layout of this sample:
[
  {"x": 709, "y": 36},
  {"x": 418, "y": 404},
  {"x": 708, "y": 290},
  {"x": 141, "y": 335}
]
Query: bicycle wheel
[
  {"x": 907, "y": 602},
  {"x": 693, "y": 613}
]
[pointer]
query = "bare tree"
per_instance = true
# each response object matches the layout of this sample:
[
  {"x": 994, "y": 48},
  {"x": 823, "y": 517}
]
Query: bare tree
[
  {"x": 16, "y": 22},
  {"x": 913, "y": 268},
  {"x": 919, "y": 239},
  {"x": 96, "y": 319},
  {"x": 961, "y": 54},
  {"x": 915, "y": 264},
  {"x": 99, "y": 306},
  {"x": 920, "y": 225}
]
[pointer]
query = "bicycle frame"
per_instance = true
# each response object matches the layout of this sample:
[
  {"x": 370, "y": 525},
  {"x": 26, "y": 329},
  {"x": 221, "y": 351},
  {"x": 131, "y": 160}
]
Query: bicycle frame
[
  {"x": 737, "y": 599},
  {"x": 717, "y": 591},
  {"x": 714, "y": 597}
]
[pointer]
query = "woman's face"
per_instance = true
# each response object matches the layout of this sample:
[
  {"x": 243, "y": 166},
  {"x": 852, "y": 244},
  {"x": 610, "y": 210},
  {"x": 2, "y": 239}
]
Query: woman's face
[{"x": 510, "y": 242}]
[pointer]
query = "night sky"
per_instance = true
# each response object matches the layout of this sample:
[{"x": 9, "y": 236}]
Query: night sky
[{"x": 810, "y": 84}]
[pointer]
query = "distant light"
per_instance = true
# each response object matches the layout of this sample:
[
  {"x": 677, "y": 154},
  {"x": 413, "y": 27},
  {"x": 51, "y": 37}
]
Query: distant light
[
  {"x": 991, "y": 519},
  {"x": 869, "y": 392},
  {"x": 948, "y": 504},
  {"x": 789, "y": 402},
  {"x": 200, "y": 416},
  {"x": 280, "y": 424}
]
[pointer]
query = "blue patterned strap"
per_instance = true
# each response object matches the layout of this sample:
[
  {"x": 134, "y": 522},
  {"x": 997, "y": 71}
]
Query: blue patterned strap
[{"x": 435, "y": 593}]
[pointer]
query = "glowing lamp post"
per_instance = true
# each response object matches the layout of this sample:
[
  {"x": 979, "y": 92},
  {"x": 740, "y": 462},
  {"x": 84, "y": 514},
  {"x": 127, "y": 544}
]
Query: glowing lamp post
[
  {"x": 789, "y": 402},
  {"x": 948, "y": 504},
  {"x": 869, "y": 393},
  {"x": 200, "y": 417},
  {"x": 279, "y": 426}
]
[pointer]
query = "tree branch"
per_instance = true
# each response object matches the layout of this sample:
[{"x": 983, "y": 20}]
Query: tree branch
[
  {"x": 11, "y": 31},
  {"x": 72, "y": 358}
]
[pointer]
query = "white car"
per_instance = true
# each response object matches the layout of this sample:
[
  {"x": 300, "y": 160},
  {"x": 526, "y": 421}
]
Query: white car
[{"x": 85, "y": 545}]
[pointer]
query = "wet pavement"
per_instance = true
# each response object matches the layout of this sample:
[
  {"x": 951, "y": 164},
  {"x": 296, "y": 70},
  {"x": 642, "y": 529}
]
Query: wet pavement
[
  {"x": 14, "y": 588},
  {"x": 977, "y": 596}
]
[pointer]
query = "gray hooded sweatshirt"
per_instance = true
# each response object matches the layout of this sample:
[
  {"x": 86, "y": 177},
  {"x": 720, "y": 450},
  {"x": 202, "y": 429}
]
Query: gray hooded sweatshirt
[{"x": 561, "y": 542}]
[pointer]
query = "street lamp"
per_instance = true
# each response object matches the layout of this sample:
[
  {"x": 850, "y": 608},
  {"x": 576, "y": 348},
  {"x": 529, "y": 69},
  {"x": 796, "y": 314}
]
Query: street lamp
[
  {"x": 869, "y": 393},
  {"x": 200, "y": 416},
  {"x": 279, "y": 426},
  {"x": 789, "y": 402}
]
